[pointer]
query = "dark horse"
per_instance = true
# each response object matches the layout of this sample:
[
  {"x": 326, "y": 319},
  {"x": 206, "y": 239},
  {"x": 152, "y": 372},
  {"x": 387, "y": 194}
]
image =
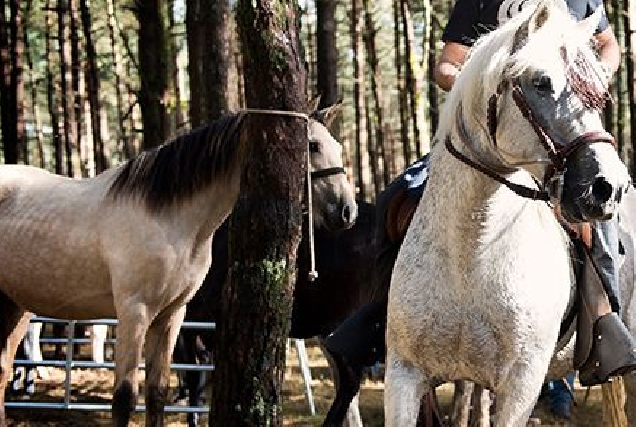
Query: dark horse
[
  {"x": 343, "y": 259},
  {"x": 359, "y": 341}
]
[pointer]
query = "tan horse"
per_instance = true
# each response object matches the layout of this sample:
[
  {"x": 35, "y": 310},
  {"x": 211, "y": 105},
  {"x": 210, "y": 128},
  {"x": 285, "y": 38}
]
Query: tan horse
[{"x": 133, "y": 243}]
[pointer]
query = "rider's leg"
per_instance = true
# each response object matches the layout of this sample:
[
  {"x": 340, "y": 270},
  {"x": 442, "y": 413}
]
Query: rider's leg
[{"x": 605, "y": 255}]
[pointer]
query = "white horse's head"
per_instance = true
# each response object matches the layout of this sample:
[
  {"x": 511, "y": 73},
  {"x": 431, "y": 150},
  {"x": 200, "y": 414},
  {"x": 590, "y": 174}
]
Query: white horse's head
[
  {"x": 333, "y": 196},
  {"x": 530, "y": 96}
]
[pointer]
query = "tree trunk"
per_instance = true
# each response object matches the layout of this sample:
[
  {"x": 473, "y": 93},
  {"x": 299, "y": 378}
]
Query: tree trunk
[
  {"x": 433, "y": 100},
  {"x": 358, "y": 97},
  {"x": 176, "y": 119},
  {"x": 209, "y": 59},
  {"x": 77, "y": 88},
  {"x": 122, "y": 137},
  {"x": 92, "y": 84},
  {"x": 413, "y": 72},
  {"x": 51, "y": 93},
  {"x": 326, "y": 53},
  {"x": 257, "y": 301},
  {"x": 66, "y": 92},
  {"x": 154, "y": 71},
  {"x": 401, "y": 89},
  {"x": 378, "y": 98},
  {"x": 12, "y": 82},
  {"x": 39, "y": 159}
]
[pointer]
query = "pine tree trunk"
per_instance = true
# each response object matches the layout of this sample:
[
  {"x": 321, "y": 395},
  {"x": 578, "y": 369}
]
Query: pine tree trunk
[
  {"x": 66, "y": 91},
  {"x": 413, "y": 83},
  {"x": 39, "y": 159},
  {"x": 265, "y": 224},
  {"x": 378, "y": 98},
  {"x": 122, "y": 137},
  {"x": 12, "y": 82},
  {"x": 631, "y": 77},
  {"x": 209, "y": 59},
  {"x": 326, "y": 53},
  {"x": 358, "y": 96},
  {"x": 433, "y": 100},
  {"x": 154, "y": 71},
  {"x": 77, "y": 89},
  {"x": 177, "y": 113},
  {"x": 401, "y": 89},
  {"x": 51, "y": 93},
  {"x": 92, "y": 84}
]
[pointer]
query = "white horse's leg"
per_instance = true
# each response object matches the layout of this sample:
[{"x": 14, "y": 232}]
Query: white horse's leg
[
  {"x": 131, "y": 333},
  {"x": 515, "y": 400},
  {"x": 404, "y": 386},
  {"x": 98, "y": 340},
  {"x": 35, "y": 330},
  {"x": 161, "y": 339}
]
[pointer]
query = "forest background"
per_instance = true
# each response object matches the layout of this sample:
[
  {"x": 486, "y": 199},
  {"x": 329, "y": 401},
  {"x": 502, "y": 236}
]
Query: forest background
[{"x": 87, "y": 84}]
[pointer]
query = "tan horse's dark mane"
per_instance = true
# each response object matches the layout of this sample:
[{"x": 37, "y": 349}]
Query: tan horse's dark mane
[{"x": 175, "y": 171}]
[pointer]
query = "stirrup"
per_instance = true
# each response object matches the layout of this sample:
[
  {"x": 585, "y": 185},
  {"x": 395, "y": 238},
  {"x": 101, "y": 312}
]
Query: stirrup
[{"x": 613, "y": 352}]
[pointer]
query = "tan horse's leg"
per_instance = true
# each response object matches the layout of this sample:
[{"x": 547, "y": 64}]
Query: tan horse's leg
[
  {"x": 131, "y": 332},
  {"x": 160, "y": 342},
  {"x": 13, "y": 325}
]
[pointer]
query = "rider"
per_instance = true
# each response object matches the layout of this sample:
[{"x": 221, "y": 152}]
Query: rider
[{"x": 472, "y": 18}]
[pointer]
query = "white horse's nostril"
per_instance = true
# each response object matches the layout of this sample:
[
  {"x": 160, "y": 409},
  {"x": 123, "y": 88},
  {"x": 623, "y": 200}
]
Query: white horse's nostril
[{"x": 601, "y": 190}]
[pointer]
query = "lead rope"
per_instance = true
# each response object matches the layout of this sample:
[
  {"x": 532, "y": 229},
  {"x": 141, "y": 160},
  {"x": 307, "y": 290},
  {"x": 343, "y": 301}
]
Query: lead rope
[{"x": 313, "y": 273}]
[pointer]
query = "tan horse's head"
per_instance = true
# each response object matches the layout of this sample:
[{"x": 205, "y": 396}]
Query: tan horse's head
[{"x": 333, "y": 196}]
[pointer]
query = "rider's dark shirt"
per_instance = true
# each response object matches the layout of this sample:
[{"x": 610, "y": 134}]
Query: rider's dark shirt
[{"x": 473, "y": 18}]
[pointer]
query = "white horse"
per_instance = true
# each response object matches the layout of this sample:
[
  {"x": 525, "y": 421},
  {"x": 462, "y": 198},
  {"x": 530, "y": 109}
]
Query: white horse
[
  {"x": 132, "y": 243},
  {"x": 483, "y": 277}
]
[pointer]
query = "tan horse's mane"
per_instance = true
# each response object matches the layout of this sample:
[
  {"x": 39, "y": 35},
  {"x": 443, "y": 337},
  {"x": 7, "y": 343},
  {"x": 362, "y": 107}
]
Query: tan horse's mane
[{"x": 176, "y": 170}]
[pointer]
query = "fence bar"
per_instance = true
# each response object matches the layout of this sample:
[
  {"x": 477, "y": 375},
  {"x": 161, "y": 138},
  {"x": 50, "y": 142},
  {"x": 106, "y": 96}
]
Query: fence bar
[{"x": 101, "y": 407}]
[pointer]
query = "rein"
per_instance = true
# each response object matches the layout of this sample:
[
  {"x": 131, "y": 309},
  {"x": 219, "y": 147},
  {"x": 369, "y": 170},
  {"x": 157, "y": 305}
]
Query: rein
[
  {"x": 321, "y": 173},
  {"x": 558, "y": 156}
]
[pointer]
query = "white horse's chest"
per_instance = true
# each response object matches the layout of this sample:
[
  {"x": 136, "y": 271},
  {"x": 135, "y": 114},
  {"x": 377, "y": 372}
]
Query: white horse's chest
[{"x": 471, "y": 295}]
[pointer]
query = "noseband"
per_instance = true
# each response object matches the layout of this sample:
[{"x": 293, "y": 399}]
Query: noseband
[{"x": 558, "y": 156}]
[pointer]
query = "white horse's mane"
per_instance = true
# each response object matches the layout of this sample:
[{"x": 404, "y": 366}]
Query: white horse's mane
[{"x": 494, "y": 58}]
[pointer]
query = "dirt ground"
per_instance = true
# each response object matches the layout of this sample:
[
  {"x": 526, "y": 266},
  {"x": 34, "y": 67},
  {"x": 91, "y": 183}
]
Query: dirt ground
[{"x": 95, "y": 387}]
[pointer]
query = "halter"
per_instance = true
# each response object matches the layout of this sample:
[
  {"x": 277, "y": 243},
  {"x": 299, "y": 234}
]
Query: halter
[
  {"x": 320, "y": 173},
  {"x": 554, "y": 177}
]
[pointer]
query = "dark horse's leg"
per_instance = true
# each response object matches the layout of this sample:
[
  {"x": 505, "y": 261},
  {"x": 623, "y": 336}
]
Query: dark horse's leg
[
  {"x": 13, "y": 324},
  {"x": 347, "y": 379},
  {"x": 194, "y": 380}
]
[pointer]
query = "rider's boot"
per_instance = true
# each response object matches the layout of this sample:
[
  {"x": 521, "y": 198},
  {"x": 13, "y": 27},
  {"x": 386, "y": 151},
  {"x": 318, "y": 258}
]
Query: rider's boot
[{"x": 604, "y": 346}]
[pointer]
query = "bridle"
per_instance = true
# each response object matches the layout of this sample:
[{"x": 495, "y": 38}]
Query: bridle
[
  {"x": 553, "y": 180},
  {"x": 327, "y": 172}
]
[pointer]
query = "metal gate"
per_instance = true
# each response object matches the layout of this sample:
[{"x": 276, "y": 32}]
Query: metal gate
[{"x": 69, "y": 364}]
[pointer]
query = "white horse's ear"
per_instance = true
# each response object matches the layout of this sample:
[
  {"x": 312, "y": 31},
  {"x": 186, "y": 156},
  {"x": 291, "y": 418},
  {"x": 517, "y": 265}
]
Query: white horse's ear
[
  {"x": 539, "y": 17},
  {"x": 589, "y": 25},
  {"x": 327, "y": 115}
]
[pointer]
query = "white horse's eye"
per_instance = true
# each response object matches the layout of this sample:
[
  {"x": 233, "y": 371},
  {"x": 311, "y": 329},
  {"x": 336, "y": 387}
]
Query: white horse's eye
[{"x": 542, "y": 83}]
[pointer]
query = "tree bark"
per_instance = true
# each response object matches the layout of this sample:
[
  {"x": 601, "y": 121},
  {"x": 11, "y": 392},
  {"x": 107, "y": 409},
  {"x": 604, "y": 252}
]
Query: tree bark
[
  {"x": 265, "y": 224},
  {"x": 38, "y": 159},
  {"x": 209, "y": 59},
  {"x": 92, "y": 84},
  {"x": 12, "y": 82},
  {"x": 401, "y": 89},
  {"x": 413, "y": 83},
  {"x": 115, "y": 50},
  {"x": 358, "y": 96},
  {"x": 326, "y": 53},
  {"x": 51, "y": 93},
  {"x": 379, "y": 160},
  {"x": 154, "y": 71}
]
